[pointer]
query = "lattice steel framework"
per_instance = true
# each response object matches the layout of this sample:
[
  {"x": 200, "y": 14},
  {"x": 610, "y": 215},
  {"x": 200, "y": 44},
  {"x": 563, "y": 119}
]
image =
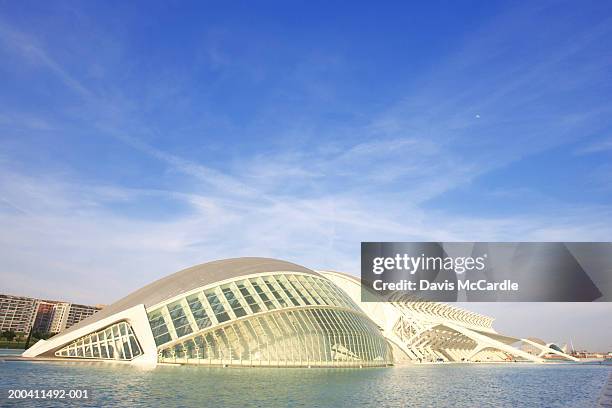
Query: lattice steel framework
[
  {"x": 272, "y": 319},
  {"x": 116, "y": 342}
]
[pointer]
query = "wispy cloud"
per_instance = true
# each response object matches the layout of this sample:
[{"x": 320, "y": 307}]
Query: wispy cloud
[
  {"x": 596, "y": 147},
  {"x": 27, "y": 47},
  {"x": 19, "y": 121},
  {"x": 75, "y": 232}
]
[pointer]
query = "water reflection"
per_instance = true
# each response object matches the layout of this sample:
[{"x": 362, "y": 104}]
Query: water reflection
[{"x": 445, "y": 385}]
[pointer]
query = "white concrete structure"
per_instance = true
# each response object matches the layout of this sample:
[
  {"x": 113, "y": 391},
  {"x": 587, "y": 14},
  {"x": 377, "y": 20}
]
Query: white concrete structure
[
  {"x": 266, "y": 312},
  {"x": 542, "y": 349},
  {"x": 431, "y": 331},
  {"x": 245, "y": 311}
]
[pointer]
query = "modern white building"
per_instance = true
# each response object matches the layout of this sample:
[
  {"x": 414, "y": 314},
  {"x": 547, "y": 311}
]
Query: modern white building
[
  {"x": 422, "y": 331},
  {"x": 267, "y": 312}
]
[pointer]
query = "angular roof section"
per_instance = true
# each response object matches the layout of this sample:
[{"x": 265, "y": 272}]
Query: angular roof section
[{"x": 192, "y": 278}]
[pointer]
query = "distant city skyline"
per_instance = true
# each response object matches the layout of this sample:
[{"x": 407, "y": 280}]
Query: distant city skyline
[
  {"x": 134, "y": 144},
  {"x": 26, "y": 314},
  {"x": 58, "y": 300}
]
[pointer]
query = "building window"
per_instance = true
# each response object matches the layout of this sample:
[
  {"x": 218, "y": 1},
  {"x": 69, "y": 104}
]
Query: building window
[
  {"x": 198, "y": 312},
  {"x": 159, "y": 327},
  {"x": 217, "y": 307},
  {"x": 208, "y": 307},
  {"x": 179, "y": 319},
  {"x": 116, "y": 342},
  {"x": 233, "y": 302},
  {"x": 304, "y": 337}
]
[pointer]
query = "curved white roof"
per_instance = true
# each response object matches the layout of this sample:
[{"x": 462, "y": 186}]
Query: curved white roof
[{"x": 192, "y": 278}]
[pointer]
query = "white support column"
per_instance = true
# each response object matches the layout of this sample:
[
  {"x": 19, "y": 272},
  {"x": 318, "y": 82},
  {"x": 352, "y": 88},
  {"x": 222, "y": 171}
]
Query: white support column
[{"x": 546, "y": 350}]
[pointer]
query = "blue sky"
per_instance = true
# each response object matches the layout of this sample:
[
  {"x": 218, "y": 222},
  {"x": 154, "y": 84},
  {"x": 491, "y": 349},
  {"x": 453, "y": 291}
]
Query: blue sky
[{"x": 137, "y": 139}]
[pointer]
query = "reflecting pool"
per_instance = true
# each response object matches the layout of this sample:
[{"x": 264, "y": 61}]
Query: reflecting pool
[{"x": 441, "y": 385}]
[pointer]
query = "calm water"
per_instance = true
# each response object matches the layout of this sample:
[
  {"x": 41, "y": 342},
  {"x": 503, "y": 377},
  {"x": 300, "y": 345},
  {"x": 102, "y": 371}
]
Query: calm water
[{"x": 444, "y": 385}]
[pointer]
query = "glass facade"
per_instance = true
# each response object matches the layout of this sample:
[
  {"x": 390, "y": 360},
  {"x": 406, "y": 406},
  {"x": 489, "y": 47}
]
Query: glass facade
[
  {"x": 272, "y": 319},
  {"x": 302, "y": 337},
  {"x": 251, "y": 316},
  {"x": 116, "y": 342}
]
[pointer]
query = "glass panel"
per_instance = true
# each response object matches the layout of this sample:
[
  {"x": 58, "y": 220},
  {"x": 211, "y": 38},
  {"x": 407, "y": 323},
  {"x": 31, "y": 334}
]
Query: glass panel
[
  {"x": 288, "y": 293},
  {"x": 249, "y": 298},
  {"x": 217, "y": 307},
  {"x": 302, "y": 293},
  {"x": 189, "y": 347},
  {"x": 126, "y": 351},
  {"x": 269, "y": 304},
  {"x": 115, "y": 342},
  {"x": 318, "y": 291},
  {"x": 198, "y": 311},
  {"x": 269, "y": 283},
  {"x": 135, "y": 348},
  {"x": 304, "y": 337},
  {"x": 158, "y": 327},
  {"x": 233, "y": 302},
  {"x": 309, "y": 289},
  {"x": 179, "y": 319}
]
